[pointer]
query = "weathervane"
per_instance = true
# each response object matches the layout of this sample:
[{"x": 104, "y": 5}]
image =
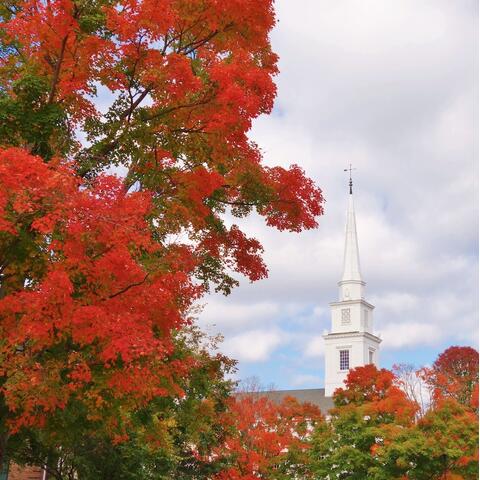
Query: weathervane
[{"x": 350, "y": 183}]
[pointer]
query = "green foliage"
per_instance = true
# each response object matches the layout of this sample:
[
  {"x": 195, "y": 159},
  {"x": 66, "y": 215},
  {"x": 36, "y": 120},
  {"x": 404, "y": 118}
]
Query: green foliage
[
  {"x": 28, "y": 120},
  {"x": 374, "y": 433},
  {"x": 164, "y": 440},
  {"x": 343, "y": 447},
  {"x": 444, "y": 442}
]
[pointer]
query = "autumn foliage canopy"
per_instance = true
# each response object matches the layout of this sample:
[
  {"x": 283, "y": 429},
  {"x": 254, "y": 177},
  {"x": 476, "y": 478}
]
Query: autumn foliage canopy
[
  {"x": 99, "y": 272},
  {"x": 124, "y": 157}
]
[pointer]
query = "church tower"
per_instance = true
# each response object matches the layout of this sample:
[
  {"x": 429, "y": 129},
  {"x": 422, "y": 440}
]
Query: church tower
[{"x": 351, "y": 342}]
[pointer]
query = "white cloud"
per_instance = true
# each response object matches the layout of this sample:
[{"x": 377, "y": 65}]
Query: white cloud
[
  {"x": 315, "y": 347},
  {"x": 397, "y": 302},
  {"x": 229, "y": 315},
  {"x": 300, "y": 380},
  {"x": 390, "y": 87},
  {"x": 409, "y": 335},
  {"x": 252, "y": 345}
]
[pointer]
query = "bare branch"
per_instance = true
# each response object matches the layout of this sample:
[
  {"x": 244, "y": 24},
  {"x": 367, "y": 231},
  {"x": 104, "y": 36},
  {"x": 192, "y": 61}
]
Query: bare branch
[
  {"x": 123, "y": 290},
  {"x": 58, "y": 66}
]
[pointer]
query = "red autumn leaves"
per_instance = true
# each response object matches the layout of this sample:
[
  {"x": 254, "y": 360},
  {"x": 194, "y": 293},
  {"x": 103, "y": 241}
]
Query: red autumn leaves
[
  {"x": 99, "y": 273},
  {"x": 88, "y": 286}
]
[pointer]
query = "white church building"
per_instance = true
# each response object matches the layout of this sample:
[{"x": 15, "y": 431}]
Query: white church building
[{"x": 351, "y": 342}]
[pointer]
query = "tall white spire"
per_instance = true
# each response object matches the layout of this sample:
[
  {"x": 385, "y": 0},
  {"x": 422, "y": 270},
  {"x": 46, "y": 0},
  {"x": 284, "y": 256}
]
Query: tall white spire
[
  {"x": 351, "y": 285},
  {"x": 351, "y": 257},
  {"x": 351, "y": 341}
]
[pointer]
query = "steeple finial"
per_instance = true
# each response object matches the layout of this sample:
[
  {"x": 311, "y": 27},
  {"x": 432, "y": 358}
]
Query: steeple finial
[{"x": 350, "y": 183}]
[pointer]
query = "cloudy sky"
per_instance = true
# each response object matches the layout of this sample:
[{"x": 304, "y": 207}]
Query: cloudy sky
[{"x": 390, "y": 86}]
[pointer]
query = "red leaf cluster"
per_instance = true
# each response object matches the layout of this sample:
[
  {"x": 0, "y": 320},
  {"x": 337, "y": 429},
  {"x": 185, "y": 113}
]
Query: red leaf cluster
[
  {"x": 101, "y": 293},
  {"x": 454, "y": 375}
]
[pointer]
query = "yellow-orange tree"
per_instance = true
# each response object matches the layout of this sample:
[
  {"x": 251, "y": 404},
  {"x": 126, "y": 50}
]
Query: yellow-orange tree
[
  {"x": 376, "y": 431},
  {"x": 265, "y": 440}
]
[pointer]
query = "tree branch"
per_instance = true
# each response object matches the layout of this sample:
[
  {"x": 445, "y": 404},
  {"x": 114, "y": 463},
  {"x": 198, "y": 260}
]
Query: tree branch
[
  {"x": 58, "y": 66},
  {"x": 123, "y": 290}
]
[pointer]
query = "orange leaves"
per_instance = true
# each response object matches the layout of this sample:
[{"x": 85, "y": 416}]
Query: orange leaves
[
  {"x": 244, "y": 90},
  {"x": 30, "y": 187},
  {"x": 177, "y": 78},
  {"x": 129, "y": 19},
  {"x": 50, "y": 35},
  {"x": 80, "y": 373},
  {"x": 474, "y": 398},
  {"x": 246, "y": 253},
  {"x": 244, "y": 23},
  {"x": 193, "y": 189},
  {"x": 368, "y": 383},
  {"x": 376, "y": 391},
  {"x": 264, "y": 437},
  {"x": 238, "y": 252}
]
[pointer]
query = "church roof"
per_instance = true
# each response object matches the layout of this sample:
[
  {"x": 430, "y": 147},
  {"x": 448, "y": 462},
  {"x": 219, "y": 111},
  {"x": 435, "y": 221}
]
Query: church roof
[{"x": 315, "y": 396}]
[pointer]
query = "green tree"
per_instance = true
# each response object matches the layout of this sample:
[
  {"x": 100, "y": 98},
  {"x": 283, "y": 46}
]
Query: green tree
[
  {"x": 168, "y": 438},
  {"x": 442, "y": 445},
  {"x": 375, "y": 432},
  {"x": 367, "y": 414}
]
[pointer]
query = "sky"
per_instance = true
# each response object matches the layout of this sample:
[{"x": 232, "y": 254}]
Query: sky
[{"x": 390, "y": 86}]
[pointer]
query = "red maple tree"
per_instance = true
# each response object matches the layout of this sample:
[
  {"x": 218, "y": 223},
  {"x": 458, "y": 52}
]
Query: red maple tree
[
  {"x": 96, "y": 272},
  {"x": 101, "y": 297},
  {"x": 454, "y": 375}
]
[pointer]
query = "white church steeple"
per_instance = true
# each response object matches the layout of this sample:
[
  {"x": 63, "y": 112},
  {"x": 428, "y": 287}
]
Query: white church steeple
[
  {"x": 351, "y": 342},
  {"x": 351, "y": 257},
  {"x": 351, "y": 285}
]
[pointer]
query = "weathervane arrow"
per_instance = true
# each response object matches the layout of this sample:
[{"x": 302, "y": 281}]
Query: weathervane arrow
[{"x": 350, "y": 183}]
